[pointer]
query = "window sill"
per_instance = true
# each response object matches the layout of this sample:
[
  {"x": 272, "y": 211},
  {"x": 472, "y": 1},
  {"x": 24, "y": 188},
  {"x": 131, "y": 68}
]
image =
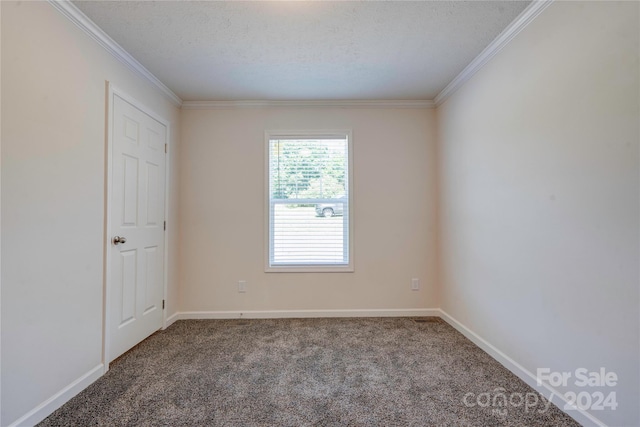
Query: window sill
[{"x": 310, "y": 269}]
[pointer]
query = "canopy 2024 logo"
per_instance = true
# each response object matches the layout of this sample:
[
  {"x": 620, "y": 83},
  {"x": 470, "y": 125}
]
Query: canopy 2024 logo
[{"x": 586, "y": 400}]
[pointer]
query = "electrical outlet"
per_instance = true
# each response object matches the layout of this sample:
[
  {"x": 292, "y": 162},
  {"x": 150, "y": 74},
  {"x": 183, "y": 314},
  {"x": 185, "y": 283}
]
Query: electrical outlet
[
  {"x": 242, "y": 286},
  {"x": 415, "y": 284}
]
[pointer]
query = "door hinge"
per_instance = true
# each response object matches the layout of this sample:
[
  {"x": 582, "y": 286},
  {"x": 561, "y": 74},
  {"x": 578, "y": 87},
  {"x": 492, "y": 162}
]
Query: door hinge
[
  {"x": 166, "y": 147},
  {"x": 163, "y": 304},
  {"x": 165, "y": 226}
]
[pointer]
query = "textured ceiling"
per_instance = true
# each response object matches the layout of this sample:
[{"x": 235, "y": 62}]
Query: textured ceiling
[{"x": 303, "y": 50}]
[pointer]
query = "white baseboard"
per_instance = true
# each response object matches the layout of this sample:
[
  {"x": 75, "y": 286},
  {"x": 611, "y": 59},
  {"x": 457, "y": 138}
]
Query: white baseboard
[
  {"x": 46, "y": 408},
  {"x": 289, "y": 314},
  {"x": 171, "y": 319},
  {"x": 581, "y": 416}
]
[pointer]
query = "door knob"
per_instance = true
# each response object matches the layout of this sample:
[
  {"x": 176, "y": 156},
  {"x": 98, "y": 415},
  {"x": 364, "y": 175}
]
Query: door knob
[{"x": 119, "y": 240}]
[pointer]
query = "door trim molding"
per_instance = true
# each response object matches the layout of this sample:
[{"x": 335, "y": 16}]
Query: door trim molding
[{"x": 111, "y": 91}]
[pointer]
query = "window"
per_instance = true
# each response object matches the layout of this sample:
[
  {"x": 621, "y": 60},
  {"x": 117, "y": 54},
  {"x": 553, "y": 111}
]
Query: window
[{"x": 309, "y": 201}]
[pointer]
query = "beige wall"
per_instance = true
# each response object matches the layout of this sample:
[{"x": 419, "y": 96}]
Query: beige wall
[
  {"x": 53, "y": 167},
  {"x": 539, "y": 184},
  {"x": 223, "y": 204}
]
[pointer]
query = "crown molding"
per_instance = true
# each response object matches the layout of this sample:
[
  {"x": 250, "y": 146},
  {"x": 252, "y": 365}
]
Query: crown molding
[
  {"x": 75, "y": 15},
  {"x": 208, "y": 105},
  {"x": 525, "y": 18}
]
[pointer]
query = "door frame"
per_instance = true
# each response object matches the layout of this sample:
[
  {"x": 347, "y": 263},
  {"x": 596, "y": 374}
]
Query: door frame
[{"x": 111, "y": 92}]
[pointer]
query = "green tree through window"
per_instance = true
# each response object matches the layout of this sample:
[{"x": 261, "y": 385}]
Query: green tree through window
[
  {"x": 307, "y": 169},
  {"x": 309, "y": 218}
]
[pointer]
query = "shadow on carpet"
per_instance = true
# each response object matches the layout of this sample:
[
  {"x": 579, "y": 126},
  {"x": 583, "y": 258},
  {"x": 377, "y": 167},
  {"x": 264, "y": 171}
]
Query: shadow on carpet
[{"x": 308, "y": 372}]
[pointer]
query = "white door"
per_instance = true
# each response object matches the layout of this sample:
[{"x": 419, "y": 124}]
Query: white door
[{"x": 136, "y": 285}]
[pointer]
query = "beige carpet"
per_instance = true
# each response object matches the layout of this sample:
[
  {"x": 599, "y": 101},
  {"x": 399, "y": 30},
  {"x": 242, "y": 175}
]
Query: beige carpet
[{"x": 308, "y": 372}]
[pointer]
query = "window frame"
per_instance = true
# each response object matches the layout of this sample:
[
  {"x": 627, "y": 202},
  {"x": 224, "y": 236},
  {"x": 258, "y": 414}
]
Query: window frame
[{"x": 308, "y": 268}]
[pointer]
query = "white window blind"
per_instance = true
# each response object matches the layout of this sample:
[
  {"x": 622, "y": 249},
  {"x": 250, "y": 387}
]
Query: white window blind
[{"x": 308, "y": 198}]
